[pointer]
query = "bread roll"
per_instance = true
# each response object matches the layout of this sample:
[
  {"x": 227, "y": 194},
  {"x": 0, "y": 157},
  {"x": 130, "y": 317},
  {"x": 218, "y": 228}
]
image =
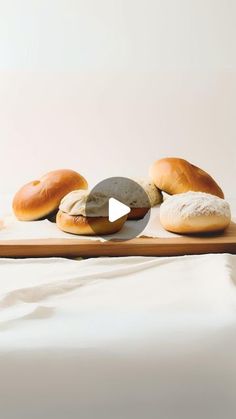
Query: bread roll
[
  {"x": 194, "y": 212},
  {"x": 88, "y": 226},
  {"x": 40, "y": 198},
  {"x": 138, "y": 194},
  {"x": 86, "y": 213},
  {"x": 138, "y": 210},
  {"x": 173, "y": 176}
]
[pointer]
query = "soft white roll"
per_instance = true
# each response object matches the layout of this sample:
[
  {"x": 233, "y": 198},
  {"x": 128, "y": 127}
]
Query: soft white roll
[{"x": 194, "y": 212}]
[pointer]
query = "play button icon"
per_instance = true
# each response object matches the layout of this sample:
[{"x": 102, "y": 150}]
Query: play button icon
[
  {"x": 121, "y": 197},
  {"x": 116, "y": 209}
]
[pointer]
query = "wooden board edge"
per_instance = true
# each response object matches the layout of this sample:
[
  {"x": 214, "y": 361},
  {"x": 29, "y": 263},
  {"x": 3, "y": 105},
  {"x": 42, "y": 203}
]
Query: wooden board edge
[{"x": 135, "y": 247}]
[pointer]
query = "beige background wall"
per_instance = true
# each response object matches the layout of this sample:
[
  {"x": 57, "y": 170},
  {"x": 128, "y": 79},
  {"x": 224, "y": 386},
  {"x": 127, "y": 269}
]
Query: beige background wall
[{"x": 106, "y": 87}]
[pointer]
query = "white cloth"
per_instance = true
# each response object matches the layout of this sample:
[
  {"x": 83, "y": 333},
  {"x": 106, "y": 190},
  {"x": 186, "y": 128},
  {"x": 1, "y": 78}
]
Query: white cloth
[
  {"x": 117, "y": 338},
  {"x": 134, "y": 337},
  {"x": 139, "y": 295}
]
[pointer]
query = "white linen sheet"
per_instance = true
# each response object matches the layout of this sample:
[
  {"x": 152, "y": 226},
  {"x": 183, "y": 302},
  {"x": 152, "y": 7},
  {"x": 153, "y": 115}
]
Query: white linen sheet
[{"x": 133, "y": 337}]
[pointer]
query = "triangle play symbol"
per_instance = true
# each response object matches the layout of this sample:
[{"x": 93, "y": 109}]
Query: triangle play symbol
[{"x": 116, "y": 209}]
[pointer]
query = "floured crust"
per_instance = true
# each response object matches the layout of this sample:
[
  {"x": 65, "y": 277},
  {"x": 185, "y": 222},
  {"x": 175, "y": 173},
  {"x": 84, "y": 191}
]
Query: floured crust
[
  {"x": 154, "y": 194},
  {"x": 194, "y": 212},
  {"x": 77, "y": 202}
]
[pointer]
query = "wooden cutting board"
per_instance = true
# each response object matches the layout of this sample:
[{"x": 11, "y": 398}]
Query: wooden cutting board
[{"x": 185, "y": 245}]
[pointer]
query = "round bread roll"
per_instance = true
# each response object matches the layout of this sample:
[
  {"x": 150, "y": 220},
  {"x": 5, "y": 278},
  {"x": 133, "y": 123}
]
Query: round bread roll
[
  {"x": 173, "y": 176},
  {"x": 88, "y": 226},
  {"x": 138, "y": 194},
  {"x": 41, "y": 198},
  {"x": 137, "y": 210},
  {"x": 73, "y": 214},
  {"x": 194, "y": 212}
]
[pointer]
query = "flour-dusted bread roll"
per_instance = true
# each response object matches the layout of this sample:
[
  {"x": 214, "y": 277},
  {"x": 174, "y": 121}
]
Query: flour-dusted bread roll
[
  {"x": 138, "y": 206},
  {"x": 138, "y": 194},
  {"x": 173, "y": 176},
  {"x": 194, "y": 212},
  {"x": 40, "y": 198},
  {"x": 86, "y": 213}
]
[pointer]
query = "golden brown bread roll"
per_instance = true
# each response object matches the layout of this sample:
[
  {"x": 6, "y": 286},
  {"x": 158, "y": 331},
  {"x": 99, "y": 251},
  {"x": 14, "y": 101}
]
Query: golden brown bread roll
[
  {"x": 88, "y": 226},
  {"x": 173, "y": 176},
  {"x": 194, "y": 212},
  {"x": 40, "y": 198}
]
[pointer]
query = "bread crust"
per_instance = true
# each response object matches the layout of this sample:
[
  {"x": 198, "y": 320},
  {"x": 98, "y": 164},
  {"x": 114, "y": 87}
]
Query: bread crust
[
  {"x": 195, "y": 225},
  {"x": 38, "y": 198},
  {"x": 89, "y": 226},
  {"x": 137, "y": 213},
  {"x": 173, "y": 176}
]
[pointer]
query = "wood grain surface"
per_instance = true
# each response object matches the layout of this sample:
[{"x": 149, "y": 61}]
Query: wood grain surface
[{"x": 185, "y": 245}]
